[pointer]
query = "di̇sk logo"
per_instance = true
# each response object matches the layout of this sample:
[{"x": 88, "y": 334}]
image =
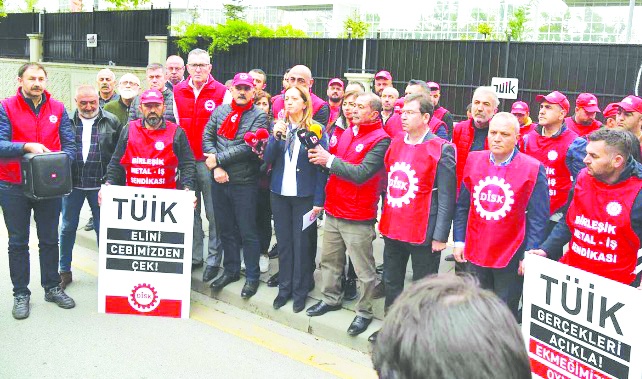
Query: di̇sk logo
[
  {"x": 552, "y": 155},
  {"x": 210, "y": 105},
  {"x": 243, "y": 76},
  {"x": 159, "y": 145},
  {"x": 614, "y": 208},
  {"x": 233, "y": 119},
  {"x": 493, "y": 198},
  {"x": 402, "y": 185},
  {"x": 53, "y": 119},
  {"x": 333, "y": 141},
  {"x": 143, "y": 298},
  {"x": 359, "y": 148}
]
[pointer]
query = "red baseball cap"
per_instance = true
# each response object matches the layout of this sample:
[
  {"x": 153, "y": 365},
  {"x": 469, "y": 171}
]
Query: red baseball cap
[
  {"x": 433, "y": 86},
  {"x": 335, "y": 81},
  {"x": 555, "y": 97},
  {"x": 242, "y": 78},
  {"x": 152, "y": 96},
  {"x": 588, "y": 102},
  {"x": 383, "y": 74},
  {"x": 519, "y": 107},
  {"x": 631, "y": 104},
  {"x": 610, "y": 110}
]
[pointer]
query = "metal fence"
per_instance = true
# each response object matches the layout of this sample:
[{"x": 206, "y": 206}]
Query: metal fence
[
  {"x": 121, "y": 36},
  {"x": 13, "y": 34},
  {"x": 608, "y": 71}
]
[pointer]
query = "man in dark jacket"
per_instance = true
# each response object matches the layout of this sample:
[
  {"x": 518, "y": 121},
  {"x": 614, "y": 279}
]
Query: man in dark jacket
[
  {"x": 96, "y": 133},
  {"x": 155, "y": 76},
  {"x": 234, "y": 190},
  {"x": 32, "y": 115}
]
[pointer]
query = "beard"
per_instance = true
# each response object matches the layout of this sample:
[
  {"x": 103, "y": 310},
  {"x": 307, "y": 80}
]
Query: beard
[
  {"x": 88, "y": 114},
  {"x": 127, "y": 93},
  {"x": 153, "y": 119}
]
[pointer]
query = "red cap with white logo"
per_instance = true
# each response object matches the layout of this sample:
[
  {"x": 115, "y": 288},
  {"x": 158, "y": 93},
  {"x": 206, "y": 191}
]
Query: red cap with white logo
[{"x": 588, "y": 102}]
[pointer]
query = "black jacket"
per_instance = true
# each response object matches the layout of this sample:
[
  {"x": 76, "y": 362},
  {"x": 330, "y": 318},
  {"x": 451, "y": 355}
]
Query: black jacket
[{"x": 234, "y": 155}]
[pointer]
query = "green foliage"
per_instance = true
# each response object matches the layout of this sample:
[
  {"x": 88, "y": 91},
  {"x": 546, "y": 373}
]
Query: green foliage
[
  {"x": 485, "y": 29},
  {"x": 2, "y": 12},
  {"x": 222, "y": 36},
  {"x": 354, "y": 26},
  {"x": 234, "y": 11},
  {"x": 517, "y": 24},
  {"x": 126, "y": 4}
]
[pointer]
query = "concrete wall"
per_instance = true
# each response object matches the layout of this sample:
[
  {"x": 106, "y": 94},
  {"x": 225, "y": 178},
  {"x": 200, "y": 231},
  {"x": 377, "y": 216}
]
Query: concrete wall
[{"x": 63, "y": 78}]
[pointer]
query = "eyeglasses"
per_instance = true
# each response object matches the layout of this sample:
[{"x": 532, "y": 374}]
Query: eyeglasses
[
  {"x": 197, "y": 66},
  {"x": 301, "y": 81},
  {"x": 129, "y": 83}
]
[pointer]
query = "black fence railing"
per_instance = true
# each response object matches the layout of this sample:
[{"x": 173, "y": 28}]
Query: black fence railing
[{"x": 14, "y": 28}]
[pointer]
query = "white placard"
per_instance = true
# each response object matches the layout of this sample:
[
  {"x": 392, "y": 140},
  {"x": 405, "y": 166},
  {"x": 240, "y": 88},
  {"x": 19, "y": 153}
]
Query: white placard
[
  {"x": 506, "y": 88},
  {"x": 92, "y": 40},
  {"x": 580, "y": 325},
  {"x": 145, "y": 251},
  {"x": 309, "y": 218}
]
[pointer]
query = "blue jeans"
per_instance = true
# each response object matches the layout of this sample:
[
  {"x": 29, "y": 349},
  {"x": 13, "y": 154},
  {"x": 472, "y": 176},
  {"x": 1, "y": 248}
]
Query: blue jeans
[
  {"x": 236, "y": 205},
  {"x": 71, "y": 205},
  {"x": 16, "y": 209}
]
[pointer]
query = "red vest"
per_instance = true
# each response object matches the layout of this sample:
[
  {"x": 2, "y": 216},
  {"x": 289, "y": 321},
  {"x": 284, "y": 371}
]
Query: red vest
[
  {"x": 552, "y": 153},
  {"x": 27, "y": 127},
  {"x": 440, "y": 112},
  {"x": 278, "y": 106},
  {"x": 149, "y": 159},
  {"x": 334, "y": 140},
  {"x": 334, "y": 113},
  {"x": 582, "y": 130},
  {"x": 435, "y": 124},
  {"x": 599, "y": 217},
  {"x": 348, "y": 200},
  {"x": 463, "y": 136},
  {"x": 498, "y": 202},
  {"x": 411, "y": 175},
  {"x": 193, "y": 113},
  {"x": 393, "y": 126}
]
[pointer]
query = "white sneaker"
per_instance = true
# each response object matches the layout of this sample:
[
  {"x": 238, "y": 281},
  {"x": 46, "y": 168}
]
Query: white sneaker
[
  {"x": 264, "y": 263},
  {"x": 242, "y": 264}
]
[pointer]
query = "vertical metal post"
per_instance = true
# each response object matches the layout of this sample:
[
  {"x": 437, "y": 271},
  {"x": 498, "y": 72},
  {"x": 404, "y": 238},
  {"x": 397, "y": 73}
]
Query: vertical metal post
[
  {"x": 629, "y": 25},
  {"x": 348, "y": 55},
  {"x": 93, "y": 29},
  {"x": 506, "y": 59}
]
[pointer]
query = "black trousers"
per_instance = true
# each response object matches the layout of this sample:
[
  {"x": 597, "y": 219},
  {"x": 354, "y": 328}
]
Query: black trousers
[
  {"x": 296, "y": 261},
  {"x": 505, "y": 282},
  {"x": 264, "y": 219},
  {"x": 395, "y": 260}
]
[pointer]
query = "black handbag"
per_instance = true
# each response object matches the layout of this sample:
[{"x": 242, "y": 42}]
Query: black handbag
[{"x": 46, "y": 175}]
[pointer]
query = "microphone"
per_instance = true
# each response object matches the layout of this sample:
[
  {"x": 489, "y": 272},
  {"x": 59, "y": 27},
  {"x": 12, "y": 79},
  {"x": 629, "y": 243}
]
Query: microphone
[
  {"x": 316, "y": 128},
  {"x": 251, "y": 139},
  {"x": 262, "y": 136}
]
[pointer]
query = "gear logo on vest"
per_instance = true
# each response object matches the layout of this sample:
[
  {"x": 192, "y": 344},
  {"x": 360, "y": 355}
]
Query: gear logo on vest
[
  {"x": 209, "y": 105},
  {"x": 333, "y": 141},
  {"x": 53, "y": 119},
  {"x": 552, "y": 155},
  {"x": 143, "y": 298},
  {"x": 493, "y": 198},
  {"x": 159, "y": 145},
  {"x": 614, "y": 208},
  {"x": 402, "y": 185},
  {"x": 359, "y": 148}
]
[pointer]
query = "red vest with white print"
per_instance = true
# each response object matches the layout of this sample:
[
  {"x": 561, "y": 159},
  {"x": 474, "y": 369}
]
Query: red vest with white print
[
  {"x": 411, "y": 175},
  {"x": 334, "y": 140},
  {"x": 552, "y": 153},
  {"x": 344, "y": 198},
  {"x": 463, "y": 137},
  {"x": 27, "y": 127},
  {"x": 599, "y": 218},
  {"x": 440, "y": 112},
  {"x": 149, "y": 159},
  {"x": 582, "y": 130},
  {"x": 499, "y": 198}
]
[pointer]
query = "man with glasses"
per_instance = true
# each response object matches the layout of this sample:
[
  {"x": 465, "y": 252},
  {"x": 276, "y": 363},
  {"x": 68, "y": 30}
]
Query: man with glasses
[
  {"x": 155, "y": 76},
  {"x": 175, "y": 71},
  {"x": 128, "y": 87},
  {"x": 196, "y": 98},
  {"x": 301, "y": 75}
]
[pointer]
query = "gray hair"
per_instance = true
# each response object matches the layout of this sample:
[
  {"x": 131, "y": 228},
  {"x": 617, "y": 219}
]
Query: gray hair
[
  {"x": 420, "y": 83},
  {"x": 85, "y": 88},
  {"x": 374, "y": 101},
  {"x": 505, "y": 118},
  {"x": 425, "y": 105},
  {"x": 155, "y": 66},
  {"x": 489, "y": 91},
  {"x": 199, "y": 52}
]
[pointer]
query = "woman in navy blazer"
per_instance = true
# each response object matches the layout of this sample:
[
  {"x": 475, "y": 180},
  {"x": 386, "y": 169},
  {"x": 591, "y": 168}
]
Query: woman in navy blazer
[{"x": 297, "y": 187}]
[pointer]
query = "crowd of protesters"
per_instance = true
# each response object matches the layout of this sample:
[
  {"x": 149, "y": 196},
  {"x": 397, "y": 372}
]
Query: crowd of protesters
[{"x": 372, "y": 164}]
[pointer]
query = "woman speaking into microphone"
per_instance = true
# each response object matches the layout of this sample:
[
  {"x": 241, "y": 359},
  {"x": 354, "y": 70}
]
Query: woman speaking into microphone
[{"x": 297, "y": 188}]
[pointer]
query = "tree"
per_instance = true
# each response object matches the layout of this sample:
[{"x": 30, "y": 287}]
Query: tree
[
  {"x": 235, "y": 11},
  {"x": 517, "y": 24},
  {"x": 127, "y": 4},
  {"x": 353, "y": 25},
  {"x": 485, "y": 29}
]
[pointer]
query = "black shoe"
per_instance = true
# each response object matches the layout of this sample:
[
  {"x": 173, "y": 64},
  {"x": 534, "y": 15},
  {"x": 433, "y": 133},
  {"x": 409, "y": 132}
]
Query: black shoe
[
  {"x": 273, "y": 281},
  {"x": 196, "y": 265},
  {"x": 58, "y": 296},
  {"x": 359, "y": 325},
  {"x": 273, "y": 252},
  {"x": 280, "y": 301},
  {"x": 379, "y": 269},
  {"x": 249, "y": 289},
  {"x": 321, "y": 308},
  {"x": 379, "y": 291},
  {"x": 20, "y": 307},
  {"x": 298, "y": 306},
  {"x": 449, "y": 258},
  {"x": 90, "y": 225},
  {"x": 210, "y": 272},
  {"x": 224, "y": 280},
  {"x": 373, "y": 337},
  {"x": 350, "y": 289}
]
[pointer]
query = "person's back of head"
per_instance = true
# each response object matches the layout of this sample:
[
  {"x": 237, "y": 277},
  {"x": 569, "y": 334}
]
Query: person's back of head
[{"x": 445, "y": 326}]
